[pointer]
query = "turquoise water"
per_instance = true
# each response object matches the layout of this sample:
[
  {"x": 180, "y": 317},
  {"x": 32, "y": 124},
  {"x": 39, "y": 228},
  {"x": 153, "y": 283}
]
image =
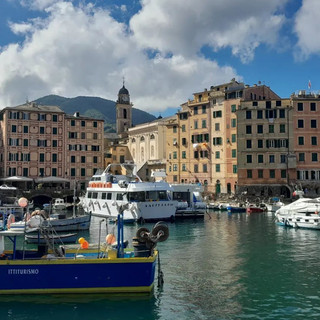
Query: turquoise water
[{"x": 225, "y": 267}]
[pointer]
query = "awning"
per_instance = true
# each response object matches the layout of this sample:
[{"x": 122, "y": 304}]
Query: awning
[
  {"x": 51, "y": 179},
  {"x": 17, "y": 178},
  {"x": 5, "y": 187}
]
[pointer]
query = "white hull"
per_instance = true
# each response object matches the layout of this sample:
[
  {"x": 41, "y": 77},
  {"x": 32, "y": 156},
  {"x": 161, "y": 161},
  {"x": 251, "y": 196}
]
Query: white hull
[
  {"x": 301, "y": 206},
  {"x": 311, "y": 221},
  {"x": 68, "y": 224}
]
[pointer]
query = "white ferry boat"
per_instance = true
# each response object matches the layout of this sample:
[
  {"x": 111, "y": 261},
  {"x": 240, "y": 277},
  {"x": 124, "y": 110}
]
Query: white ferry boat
[{"x": 119, "y": 185}]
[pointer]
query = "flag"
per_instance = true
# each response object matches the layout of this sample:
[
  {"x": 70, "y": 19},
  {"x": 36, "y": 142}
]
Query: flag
[{"x": 309, "y": 85}]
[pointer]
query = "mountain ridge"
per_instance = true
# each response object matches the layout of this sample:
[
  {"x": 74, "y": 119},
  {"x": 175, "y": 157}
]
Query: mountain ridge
[{"x": 94, "y": 107}]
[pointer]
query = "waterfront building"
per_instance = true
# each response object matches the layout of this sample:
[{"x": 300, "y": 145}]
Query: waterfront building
[
  {"x": 266, "y": 161},
  {"x": 306, "y": 130},
  {"x": 43, "y": 141},
  {"x": 202, "y": 142}
]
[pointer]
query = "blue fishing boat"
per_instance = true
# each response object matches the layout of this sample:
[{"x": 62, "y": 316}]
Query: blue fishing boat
[
  {"x": 50, "y": 269},
  {"x": 233, "y": 209}
]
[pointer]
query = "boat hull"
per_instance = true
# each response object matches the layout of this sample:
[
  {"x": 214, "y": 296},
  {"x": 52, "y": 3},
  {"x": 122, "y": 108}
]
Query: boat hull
[{"x": 77, "y": 276}]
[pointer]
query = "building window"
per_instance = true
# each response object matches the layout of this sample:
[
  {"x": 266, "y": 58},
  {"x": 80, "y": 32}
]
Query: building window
[
  {"x": 278, "y": 103},
  {"x": 25, "y": 129},
  {"x": 73, "y": 172},
  {"x": 83, "y": 172},
  {"x": 260, "y": 174},
  {"x": 300, "y": 141},
  {"x": 233, "y": 138},
  {"x": 196, "y": 168},
  {"x": 217, "y": 154},
  {"x": 217, "y": 114},
  {"x": 41, "y": 157},
  {"x": 83, "y": 159},
  {"x": 234, "y": 168},
  {"x": 234, "y": 153},
  {"x": 95, "y": 124},
  {"x": 204, "y": 123},
  {"x": 282, "y": 113},
  {"x": 195, "y": 110},
  {"x": 248, "y": 129},
  {"x": 249, "y": 158},
  {"x": 313, "y": 124},
  {"x": 183, "y": 155},
  {"x": 54, "y": 130},
  {"x": 314, "y": 157},
  {"x": 282, "y": 128},
  {"x": 174, "y": 129},
  {"x": 54, "y": 118},
  {"x": 25, "y": 142},
  {"x": 54, "y": 157},
  {"x": 54, "y": 143},
  {"x": 25, "y": 172},
  {"x": 260, "y": 158},
  {"x": 301, "y": 156},
  {"x": 260, "y": 143},
  {"x": 259, "y": 128},
  {"x": 249, "y": 144},
  {"x": 233, "y": 108},
  {"x": 283, "y": 158},
  {"x": 283, "y": 174},
  {"x": 13, "y": 128},
  {"x": 248, "y": 114},
  {"x": 175, "y": 155},
  {"x": 300, "y": 123},
  {"x": 205, "y": 168},
  {"x": 259, "y": 114},
  {"x": 54, "y": 172},
  {"x": 184, "y": 167},
  {"x": 183, "y": 128},
  {"x": 249, "y": 174},
  {"x": 41, "y": 130},
  {"x": 313, "y": 106},
  {"x": 83, "y": 123},
  {"x": 271, "y": 128},
  {"x": 271, "y": 158},
  {"x": 204, "y": 109},
  {"x": 233, "y": 123},
  {"x": 73, "y": 159},
  {"x": 196, "y": 124},
  {"x": 314, "y": 141},
  {"x": 72, "y": 123},
  {"x": 300, "y": 106},
  {"x": 272, "y": 173},
  {"x": 217, "y": 167}
]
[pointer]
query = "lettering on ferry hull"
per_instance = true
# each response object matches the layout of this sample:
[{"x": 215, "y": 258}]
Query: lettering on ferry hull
[{"x": 22, "y": 271}]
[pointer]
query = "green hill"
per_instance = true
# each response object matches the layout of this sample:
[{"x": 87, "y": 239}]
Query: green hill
[{"x": 94, "y": 107}]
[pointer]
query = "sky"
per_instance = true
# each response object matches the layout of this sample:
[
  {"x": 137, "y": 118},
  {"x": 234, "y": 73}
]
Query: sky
[{"x": 165, "y": 50}]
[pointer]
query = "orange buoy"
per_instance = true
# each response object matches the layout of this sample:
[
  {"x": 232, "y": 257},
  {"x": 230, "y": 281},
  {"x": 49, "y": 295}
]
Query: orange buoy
[
  {"x": 110, "y": 238},
  {"x": 85, "y": 244},
  {"x": 22, "y": 202}
]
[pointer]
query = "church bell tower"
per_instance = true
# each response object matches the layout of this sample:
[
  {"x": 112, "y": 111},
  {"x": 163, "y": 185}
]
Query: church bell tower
[{"x": 123, "y": 112}]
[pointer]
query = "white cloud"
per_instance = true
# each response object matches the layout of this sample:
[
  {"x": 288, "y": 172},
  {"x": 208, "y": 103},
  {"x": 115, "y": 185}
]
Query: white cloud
[
  {"x": 307, "y": 26},
  {"x": 184, "y": 26},
  {"x": 84, "y": 51},
  {"x": 38, "y": 4}
]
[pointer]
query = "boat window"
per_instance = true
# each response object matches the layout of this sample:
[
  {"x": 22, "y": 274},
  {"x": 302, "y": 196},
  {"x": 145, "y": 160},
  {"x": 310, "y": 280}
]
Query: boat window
[
  {"x": 136, "y": 196},
  {"x": 120, "y": 196},
  {"x": 89, "y": 195},
  {"x": 94, "y": 195},
  {"x": 162, "y": 195},
  {"x": 103, "y": 195},
  {"x": 109, "y": 196},
  {"x": 316, "y": 220},
  {"x": 306, "y": 220},
  {"x": 181, "y": 196}
]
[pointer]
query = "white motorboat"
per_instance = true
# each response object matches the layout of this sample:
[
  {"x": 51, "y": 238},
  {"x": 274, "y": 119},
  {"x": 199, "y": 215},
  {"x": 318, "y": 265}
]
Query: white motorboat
[
  {"x": 190, "y": 202},
  {"x": 119, "y": 186},
  {"x": 307, "y": 221},
  {"x": 273, "y": 204}
]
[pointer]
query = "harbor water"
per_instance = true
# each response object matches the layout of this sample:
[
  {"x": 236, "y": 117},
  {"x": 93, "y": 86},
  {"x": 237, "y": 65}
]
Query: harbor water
[{"x": 227, "y": 266}]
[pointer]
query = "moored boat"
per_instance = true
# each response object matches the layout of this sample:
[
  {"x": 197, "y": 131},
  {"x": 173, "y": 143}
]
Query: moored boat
[
  {"x": 119, "y": 185},
  {"x": 59, "y": 271},
  {"x": 306, "y": 221},
  {"x": 190, "y": 202}
]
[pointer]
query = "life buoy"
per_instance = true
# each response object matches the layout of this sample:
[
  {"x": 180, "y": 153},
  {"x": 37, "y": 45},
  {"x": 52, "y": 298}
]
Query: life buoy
[
  {"x": 93, "y": 185},
  {"x": 11, "y": 219}
]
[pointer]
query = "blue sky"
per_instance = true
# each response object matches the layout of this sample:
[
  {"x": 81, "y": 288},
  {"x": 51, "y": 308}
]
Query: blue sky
[{"x": 165, "y": 49}]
